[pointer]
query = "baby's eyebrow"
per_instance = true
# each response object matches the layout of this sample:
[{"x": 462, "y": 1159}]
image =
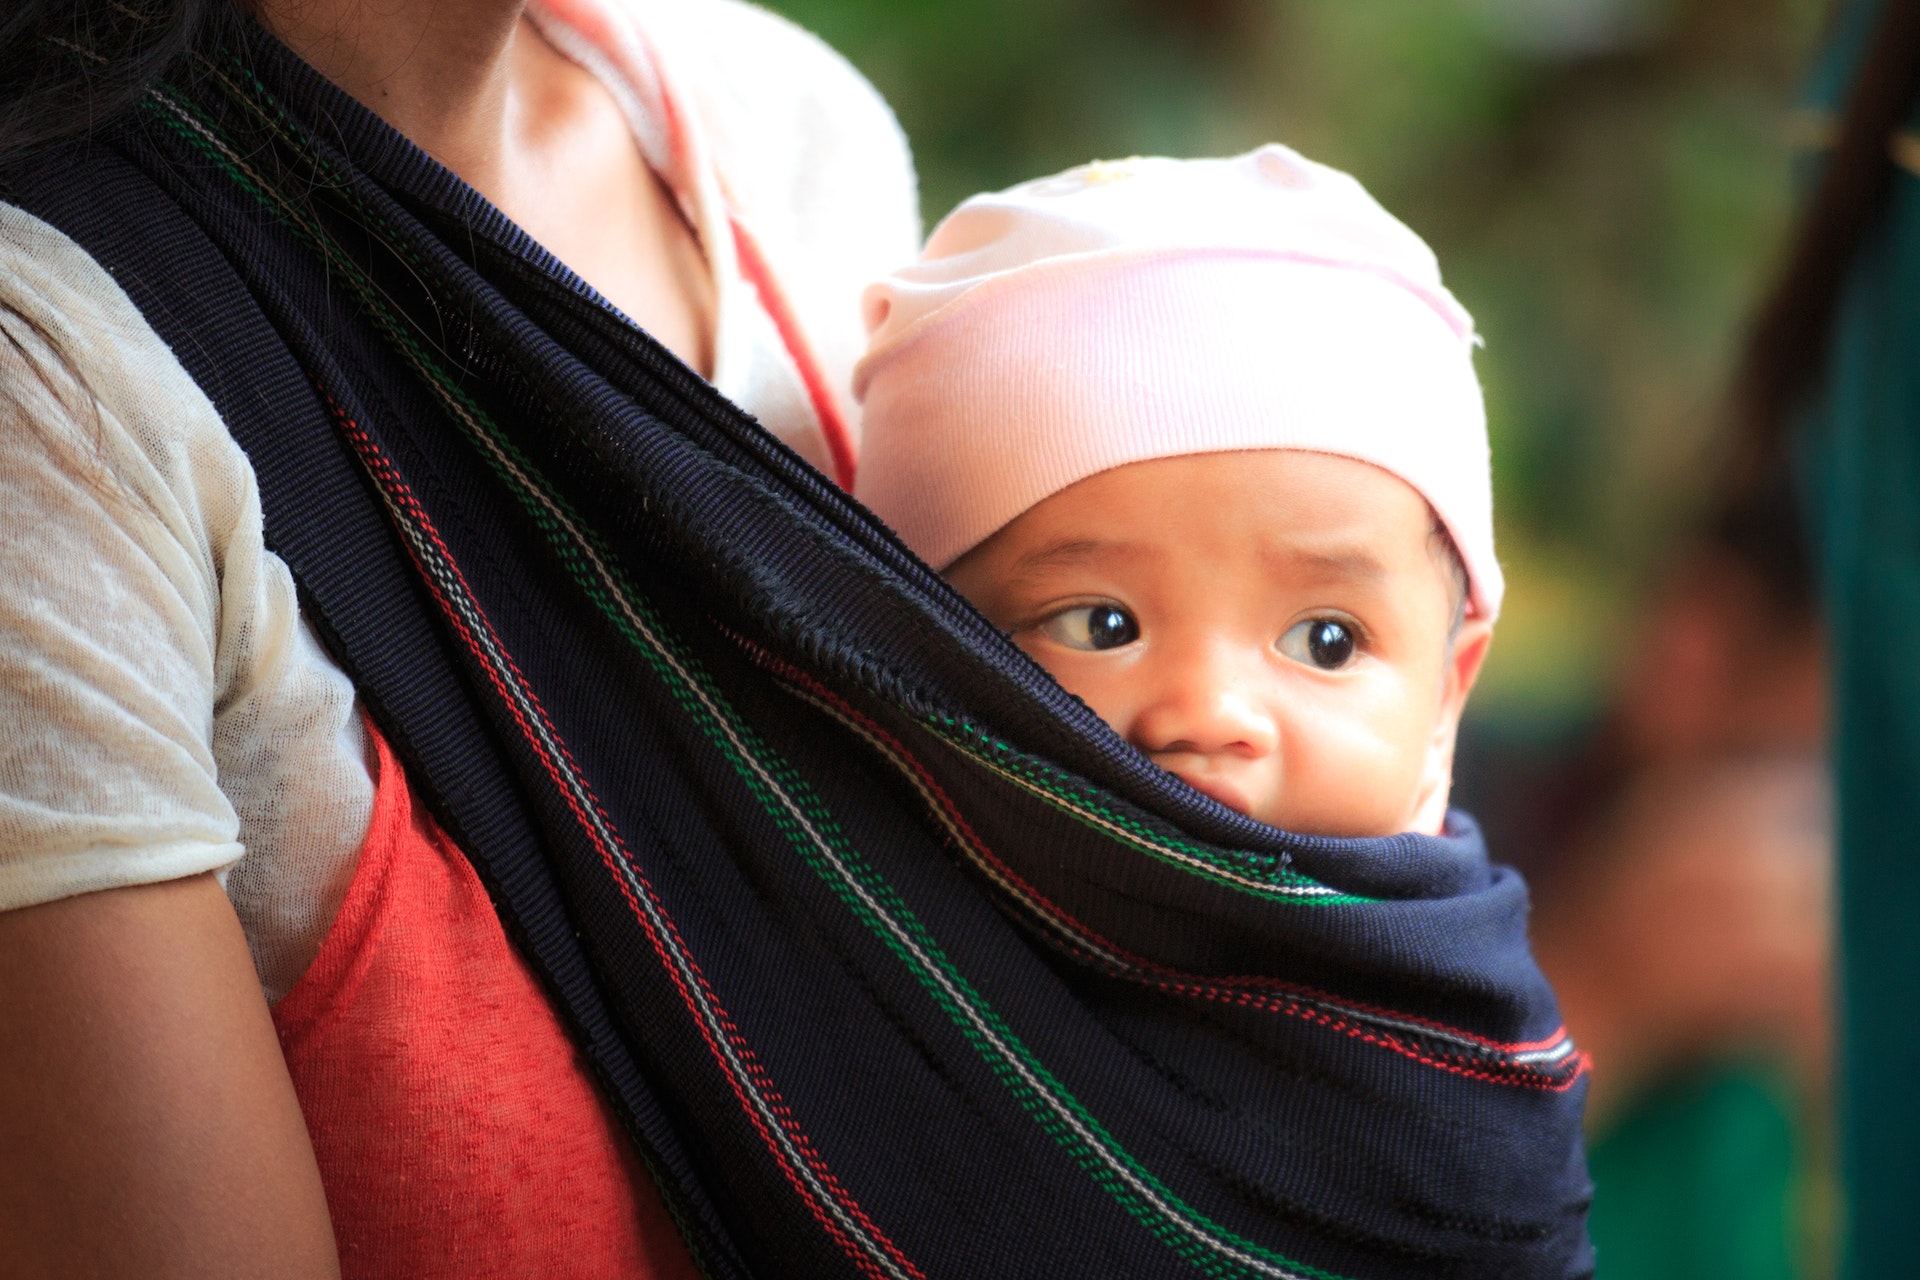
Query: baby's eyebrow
[
  {"x": 1355, "y": 564},
  {"x": 1064, "y": 554}
]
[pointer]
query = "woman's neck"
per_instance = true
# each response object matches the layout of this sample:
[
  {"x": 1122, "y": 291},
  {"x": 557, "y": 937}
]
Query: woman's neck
[
  {"x": 472, "y": 84},
  {"x": 441, "y": 73}
]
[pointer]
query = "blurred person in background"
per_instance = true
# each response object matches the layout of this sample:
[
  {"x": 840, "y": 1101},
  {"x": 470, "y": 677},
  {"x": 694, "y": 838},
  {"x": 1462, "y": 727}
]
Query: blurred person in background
[{"x": 1833, "y": 383}]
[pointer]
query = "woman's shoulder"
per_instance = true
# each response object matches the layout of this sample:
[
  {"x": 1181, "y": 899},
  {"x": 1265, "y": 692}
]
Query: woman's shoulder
[
  {"x": 112, "y": 538},
  {"x": 809, "y": 155},
  {"x": 809, "y": 150},
  {"x": 95, "y": 393},
  {"x": 164, "y": 709},
  {"x": 762, "y": 61}
]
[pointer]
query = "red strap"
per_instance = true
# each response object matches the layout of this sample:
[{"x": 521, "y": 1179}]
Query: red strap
[{"x": 833, "y": 427}]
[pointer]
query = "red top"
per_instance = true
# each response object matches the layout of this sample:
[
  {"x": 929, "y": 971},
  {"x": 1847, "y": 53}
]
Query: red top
[{"x": 457, "y": 1129}]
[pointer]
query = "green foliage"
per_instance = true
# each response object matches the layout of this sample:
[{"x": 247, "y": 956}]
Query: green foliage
[{"x": 1605, "y": 182}]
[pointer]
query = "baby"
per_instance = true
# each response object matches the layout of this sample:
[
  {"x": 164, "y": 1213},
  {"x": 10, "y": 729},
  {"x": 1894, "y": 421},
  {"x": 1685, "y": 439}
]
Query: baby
[{"x": 1204, "y": 437}]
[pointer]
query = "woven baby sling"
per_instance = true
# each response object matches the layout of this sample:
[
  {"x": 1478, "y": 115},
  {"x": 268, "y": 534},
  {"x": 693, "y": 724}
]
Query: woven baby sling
[{"x": 892, "y": 959}]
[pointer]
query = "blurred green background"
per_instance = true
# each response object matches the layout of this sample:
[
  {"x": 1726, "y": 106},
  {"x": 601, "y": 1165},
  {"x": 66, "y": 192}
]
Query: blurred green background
[{"x": 1605, "y": 182}]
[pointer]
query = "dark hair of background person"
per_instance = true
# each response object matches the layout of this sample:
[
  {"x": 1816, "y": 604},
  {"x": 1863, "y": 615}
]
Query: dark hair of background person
[
  {"x": 67, "y": 66},
  {"x": 1787, "y": 348}
]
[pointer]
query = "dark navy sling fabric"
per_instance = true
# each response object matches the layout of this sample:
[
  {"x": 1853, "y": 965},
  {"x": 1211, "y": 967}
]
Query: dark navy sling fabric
[{"x": 894, "y": 960}]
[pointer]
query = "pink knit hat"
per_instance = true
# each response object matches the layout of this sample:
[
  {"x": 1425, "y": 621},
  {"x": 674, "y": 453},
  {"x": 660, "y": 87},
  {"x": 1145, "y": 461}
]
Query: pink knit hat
[{"x": 1149, "y": 308}]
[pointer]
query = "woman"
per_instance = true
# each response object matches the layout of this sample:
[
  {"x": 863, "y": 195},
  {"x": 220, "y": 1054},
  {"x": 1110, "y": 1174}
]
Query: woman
[
  {"x": 634, "y": 860},
  {"x": 566, "y": 119}
]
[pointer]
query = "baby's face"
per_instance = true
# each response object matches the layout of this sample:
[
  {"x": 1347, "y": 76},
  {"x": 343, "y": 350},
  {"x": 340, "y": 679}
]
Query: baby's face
[{"x": 1275, "y": 627}]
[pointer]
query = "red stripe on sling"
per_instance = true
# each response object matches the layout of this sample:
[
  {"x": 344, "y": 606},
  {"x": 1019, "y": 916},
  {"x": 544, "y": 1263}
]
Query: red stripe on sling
[{"x": 457, "y": 1130}]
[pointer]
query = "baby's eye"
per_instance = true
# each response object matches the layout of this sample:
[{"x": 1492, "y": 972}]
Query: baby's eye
[
  {"x": 1093, "y": 627},
  {"x": 1326, "y": 643}
]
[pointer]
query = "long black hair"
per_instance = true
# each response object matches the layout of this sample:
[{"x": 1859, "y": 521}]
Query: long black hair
[{"x": 68, "y": 66}]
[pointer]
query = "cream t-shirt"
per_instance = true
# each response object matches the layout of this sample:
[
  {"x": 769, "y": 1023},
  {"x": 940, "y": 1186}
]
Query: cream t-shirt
[{"x": 165, "y": 708}]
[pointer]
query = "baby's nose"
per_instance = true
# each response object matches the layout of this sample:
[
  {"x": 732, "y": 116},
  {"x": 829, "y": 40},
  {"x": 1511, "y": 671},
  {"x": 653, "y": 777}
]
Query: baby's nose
[{"x": 1212, "y": 710}]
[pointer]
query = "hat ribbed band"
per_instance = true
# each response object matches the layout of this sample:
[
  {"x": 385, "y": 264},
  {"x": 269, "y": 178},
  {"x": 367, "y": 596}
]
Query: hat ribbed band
[{"x": 1026, "y": 384}]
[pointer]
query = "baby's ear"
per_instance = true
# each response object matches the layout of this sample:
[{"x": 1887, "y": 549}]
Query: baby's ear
[{"x": 1466, "y": 653}]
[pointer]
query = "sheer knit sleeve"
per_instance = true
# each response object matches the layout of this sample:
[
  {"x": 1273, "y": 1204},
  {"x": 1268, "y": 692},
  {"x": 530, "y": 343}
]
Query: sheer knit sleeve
[{"x": 163, "y": 708}]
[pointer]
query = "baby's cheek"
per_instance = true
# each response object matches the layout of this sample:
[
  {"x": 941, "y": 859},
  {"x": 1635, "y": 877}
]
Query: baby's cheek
[{"x": 1346, "y": 773}]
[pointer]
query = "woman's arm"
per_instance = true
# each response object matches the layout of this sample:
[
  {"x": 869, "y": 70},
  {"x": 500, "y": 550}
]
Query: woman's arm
[{"x": 147, "y": 1124}]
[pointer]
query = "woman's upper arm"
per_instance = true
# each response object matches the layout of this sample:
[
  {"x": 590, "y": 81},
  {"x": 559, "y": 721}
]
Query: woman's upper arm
[{"x": 147, "y": 1124}]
